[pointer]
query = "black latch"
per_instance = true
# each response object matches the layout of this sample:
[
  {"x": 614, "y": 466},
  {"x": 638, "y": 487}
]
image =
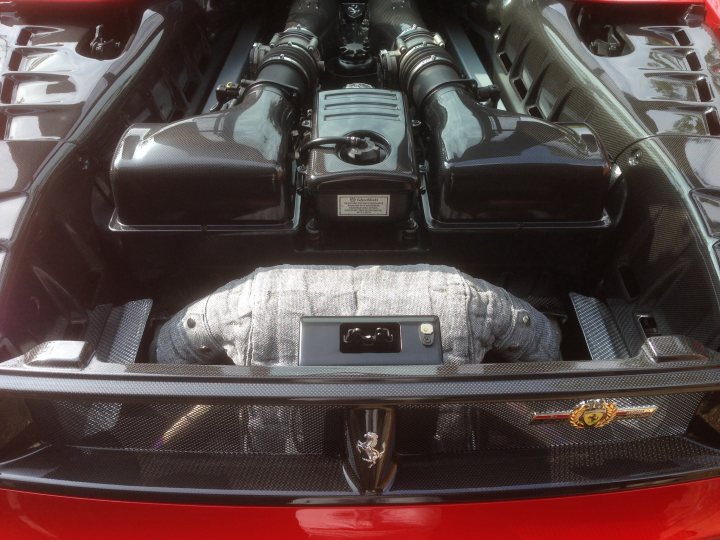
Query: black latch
[
  {"x": 612, "y": 45},
  {"x": 367, "y": 337},
  {"x": 225, "y": 93},
  {"x": 356, "y": 336},
  {"x": 101, "y": 47},
  {"x": 489, "y": 94}
]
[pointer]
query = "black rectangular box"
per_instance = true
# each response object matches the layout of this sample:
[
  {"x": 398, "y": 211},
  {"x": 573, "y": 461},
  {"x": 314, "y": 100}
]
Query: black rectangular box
[
  {"x": 324, "y": 341},
  {"x": 381, "y": 189}
]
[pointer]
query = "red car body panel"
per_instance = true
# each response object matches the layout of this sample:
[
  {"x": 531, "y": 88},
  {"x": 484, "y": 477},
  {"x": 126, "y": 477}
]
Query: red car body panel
[
  {"x": 681, "y": 511},
  {"x": 712, "y": 18}
]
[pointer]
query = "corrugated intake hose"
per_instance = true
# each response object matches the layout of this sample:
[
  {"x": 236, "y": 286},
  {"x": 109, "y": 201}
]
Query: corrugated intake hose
[{"x": 256, "y": 320}]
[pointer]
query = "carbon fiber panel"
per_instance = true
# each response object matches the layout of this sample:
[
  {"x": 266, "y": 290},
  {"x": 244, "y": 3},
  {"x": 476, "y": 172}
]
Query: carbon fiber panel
[
  {"x": 318, "y": 430},
  {"x": 558, "y": 466},
  {"x": 231, "y": 384},
  {"x": 280, "y": 430},
  {"x": 601, "y": 333},
  {"x": 304, "y": 480},
  {"x": 545, "y": 70},
  {"x": 151, "y": 470},
  {"x": 626, "y": 323},
  {"x": 122, "y": 333},
  {"x": 647, "y": 107},
  {"x": 662, "y": 245}
]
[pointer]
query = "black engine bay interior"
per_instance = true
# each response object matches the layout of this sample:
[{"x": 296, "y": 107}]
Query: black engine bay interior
[{"x": 358, "y": 133}]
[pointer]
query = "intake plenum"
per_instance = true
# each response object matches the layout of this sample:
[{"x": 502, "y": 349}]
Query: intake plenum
[
  {"x": 222, "y": 168},
  {"x": 485, "y": 164}
]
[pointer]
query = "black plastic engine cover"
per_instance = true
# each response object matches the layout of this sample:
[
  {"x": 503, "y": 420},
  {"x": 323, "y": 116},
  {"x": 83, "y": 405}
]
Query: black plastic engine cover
[
  {"x": 490, "y": 165},
  {"x": 223, "y": 168},
  {"x": 341, "y": 189}
]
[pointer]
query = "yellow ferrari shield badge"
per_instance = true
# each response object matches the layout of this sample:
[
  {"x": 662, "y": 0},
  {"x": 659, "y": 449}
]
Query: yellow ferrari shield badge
[{"x": 595, "y": 413}]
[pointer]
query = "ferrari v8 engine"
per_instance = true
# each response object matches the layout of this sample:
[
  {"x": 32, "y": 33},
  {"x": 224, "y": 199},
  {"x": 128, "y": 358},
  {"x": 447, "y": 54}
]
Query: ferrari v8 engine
[
  {"x": 263, "y": 159},
  {"x": 358, "y": 168}
]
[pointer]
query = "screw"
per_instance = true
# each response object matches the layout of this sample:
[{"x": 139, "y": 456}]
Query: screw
[{"x": 635, "y": 158}]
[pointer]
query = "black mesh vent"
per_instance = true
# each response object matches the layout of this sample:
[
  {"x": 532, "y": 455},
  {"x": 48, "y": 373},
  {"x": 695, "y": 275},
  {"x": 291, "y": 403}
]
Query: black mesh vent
[
  {"x": 302, "y": 453},
  {"x": 217, "y": 429},
  {"x": 320, "y": 430}
]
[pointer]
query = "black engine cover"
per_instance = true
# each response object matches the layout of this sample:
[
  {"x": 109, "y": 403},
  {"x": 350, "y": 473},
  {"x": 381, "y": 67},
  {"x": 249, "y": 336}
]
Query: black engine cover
[
  {"x": 488, "y": 165},
  {"x": 384, "y": 188},
  {"x": 225, "y": 168}
]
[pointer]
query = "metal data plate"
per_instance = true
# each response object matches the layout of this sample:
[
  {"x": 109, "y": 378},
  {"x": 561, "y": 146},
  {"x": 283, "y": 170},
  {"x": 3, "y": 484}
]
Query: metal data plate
[{"x": 370, "y": 341}]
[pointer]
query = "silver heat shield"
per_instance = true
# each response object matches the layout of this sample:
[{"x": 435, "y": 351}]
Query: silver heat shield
[{"x": 256, "y": 320}]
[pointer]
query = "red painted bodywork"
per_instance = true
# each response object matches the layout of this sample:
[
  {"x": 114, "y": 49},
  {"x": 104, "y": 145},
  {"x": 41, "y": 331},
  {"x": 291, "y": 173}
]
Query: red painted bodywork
[
  {"x": 712, "y": 17},
  {"x": 675, "y": 512}
]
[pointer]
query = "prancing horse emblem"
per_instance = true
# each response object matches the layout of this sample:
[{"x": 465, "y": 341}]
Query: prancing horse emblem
[
  {"x": 595, "y": 413},
  {"x": 368, "y": 446}
]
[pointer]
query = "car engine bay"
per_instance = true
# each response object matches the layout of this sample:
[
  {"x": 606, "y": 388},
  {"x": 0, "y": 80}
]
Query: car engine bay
[{"x": 357, "y": 134}]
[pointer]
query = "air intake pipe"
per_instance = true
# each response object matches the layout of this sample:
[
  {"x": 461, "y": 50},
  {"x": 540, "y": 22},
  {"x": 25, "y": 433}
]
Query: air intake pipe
[
  {"x": 485, "y": 164},
  {"x": 292, "y": 60},
  {"x": 230, "y": 167}
]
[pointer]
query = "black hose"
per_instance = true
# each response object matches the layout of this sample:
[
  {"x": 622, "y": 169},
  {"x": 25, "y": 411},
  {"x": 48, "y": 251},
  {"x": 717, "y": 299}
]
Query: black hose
[
  {"x": 324, "y": 141},
  {"x": 292, "y": 61},
  {"x": 418, "y": 59}
]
